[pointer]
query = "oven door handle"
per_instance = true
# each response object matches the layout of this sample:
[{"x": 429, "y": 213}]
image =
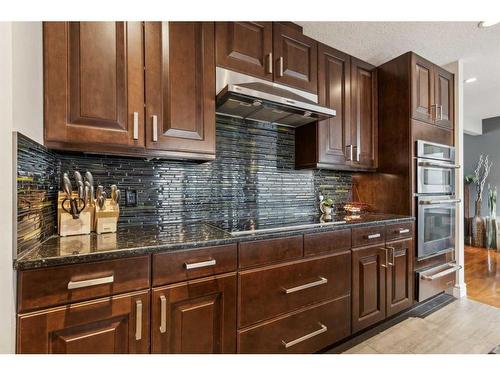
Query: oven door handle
[
  {"x": 438, "y": 165},
  {"x": 443, "y": 201},
  {"x": 442, "y": 273}
]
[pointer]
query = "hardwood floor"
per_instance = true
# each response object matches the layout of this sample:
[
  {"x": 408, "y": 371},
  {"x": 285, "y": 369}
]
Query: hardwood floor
[
  {"x": 464, "y": 326},
  {"x": 482, "y": 275}
]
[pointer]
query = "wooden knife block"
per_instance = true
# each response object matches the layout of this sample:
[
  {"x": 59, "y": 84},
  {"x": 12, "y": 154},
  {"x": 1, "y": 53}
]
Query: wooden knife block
[
  {"x": 106, "y": 220},
  {"x": 67, "y": 226}
]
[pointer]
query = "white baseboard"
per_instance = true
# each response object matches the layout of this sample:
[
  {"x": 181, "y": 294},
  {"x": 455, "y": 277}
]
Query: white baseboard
[{"x": 460, "y": 290}]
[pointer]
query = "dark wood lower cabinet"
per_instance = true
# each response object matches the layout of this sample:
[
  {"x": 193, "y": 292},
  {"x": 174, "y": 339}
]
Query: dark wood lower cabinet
[
  {"x": 304, "y": 331},
  {"x": 399, "y": 276},
  {"x": 368, "y": 286},
  {"x": 195, "y": 317},
  {"x": 110, "y": 325}
]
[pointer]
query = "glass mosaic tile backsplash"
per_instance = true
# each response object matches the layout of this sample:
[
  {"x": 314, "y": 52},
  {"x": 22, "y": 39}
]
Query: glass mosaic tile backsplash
[{"x": 253, "y": 176}]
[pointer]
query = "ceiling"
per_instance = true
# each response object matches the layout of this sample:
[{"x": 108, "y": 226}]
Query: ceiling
[{"x": 440, "y": 42}]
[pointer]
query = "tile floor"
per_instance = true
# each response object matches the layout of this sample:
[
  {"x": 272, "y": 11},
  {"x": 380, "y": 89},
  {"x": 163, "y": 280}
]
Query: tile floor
[{"x": 464, "y": 326}]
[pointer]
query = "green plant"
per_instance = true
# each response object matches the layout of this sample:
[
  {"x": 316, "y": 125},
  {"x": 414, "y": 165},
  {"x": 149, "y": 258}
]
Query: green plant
[
  {"x": 470, "y": 179},
  {"x": 328, "y": 202}
]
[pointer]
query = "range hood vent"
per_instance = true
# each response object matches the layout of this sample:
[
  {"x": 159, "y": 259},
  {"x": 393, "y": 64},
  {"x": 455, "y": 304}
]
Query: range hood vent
[{"x": 267, "y": 102}]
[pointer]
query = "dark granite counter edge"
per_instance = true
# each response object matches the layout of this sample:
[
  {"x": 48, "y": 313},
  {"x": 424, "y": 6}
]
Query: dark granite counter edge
[{"x": 21, "y": 264}]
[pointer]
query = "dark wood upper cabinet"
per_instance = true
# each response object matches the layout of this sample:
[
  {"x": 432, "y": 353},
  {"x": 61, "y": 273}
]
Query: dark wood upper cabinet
[
  {"x": 368, "y": 286},
  {"x": 432, "y": 93},
  {"x": 197, "y": 317},
  {"x": 295, "y": 56},
  {"x": 245, "y": 47},
  {"x": 399, "y": 275},
  {"x": 422, "y": 89},
  {"x": 113, "y": 325},
  {"x": 363, "y": 134},
  {"x": 93, "y": 85},
  {"x": 180, "y": 89},
  {"x": 334, "y": 91},
  {"x": 444, "y": 97}
]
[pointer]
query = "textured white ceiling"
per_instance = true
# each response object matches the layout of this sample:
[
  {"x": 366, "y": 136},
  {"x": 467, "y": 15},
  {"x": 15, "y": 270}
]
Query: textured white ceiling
[{"x": 440, "y": 42}]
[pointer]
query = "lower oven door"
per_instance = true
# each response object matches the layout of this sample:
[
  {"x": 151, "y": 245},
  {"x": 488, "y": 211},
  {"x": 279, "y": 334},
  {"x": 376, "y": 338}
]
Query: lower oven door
[
  {"x": 436, "y": 226},
  {"x": 435, "y": 280}
]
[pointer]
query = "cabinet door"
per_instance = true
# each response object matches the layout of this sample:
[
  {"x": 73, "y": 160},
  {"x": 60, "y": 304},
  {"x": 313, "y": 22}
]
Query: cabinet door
[
  {"x": 245, "y": 47},
  {"x": 334, "y": 84},
  {"x": 399, "y": 276},
  {"x": 93, "y": 85},
  {"x": 422, "y": 89},
  {"x": 363, "y": 134},
  {"x": 110, "y": 325},
  {"x": 444, "y": 98},
  {"x": 295, "y": 57},
  {"x": 368, "y": 286},
  {"x": 195, "y": 317},
  {"x": 180, "y": 89}
]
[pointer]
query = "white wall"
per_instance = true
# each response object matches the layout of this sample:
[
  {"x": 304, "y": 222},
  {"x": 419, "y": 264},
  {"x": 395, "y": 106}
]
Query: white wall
[
  {"x": 21, "y": 109},
  {"x": 7, "y": 316}
]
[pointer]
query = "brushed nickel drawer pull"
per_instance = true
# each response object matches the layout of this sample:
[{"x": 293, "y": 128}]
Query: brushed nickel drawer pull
[
  {"x": 321, "y": 281},
  {"x": 136, "y": 125},
  {"x": 289, "y": 344},
  {"x": 442, "y": 273},
  {"x": 403, "y": 231},
  {"x": 207, "y": 263},
  {"x": 373, "y": 236},
  {"x": 163, "y": 314},
  {"x": 90, "y": 282},
  {"x": 138, "y": 320}
]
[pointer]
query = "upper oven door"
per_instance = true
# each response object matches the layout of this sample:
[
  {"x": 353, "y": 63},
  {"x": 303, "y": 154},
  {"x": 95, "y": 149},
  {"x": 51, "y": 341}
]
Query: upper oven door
[
  {"x": 436, "y": 225},
  {"x": 435, "y": 151},
  {"x": 435, "y": 177}
]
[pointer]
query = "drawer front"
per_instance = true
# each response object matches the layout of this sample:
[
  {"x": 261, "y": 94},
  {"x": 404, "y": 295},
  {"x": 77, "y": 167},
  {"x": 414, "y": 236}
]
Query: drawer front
[
  {"x": 258, "y": 253},
  {"x": 190, "y": 264},
  {"x": 270, "y": 291},
  {"x": 399, "y": 231},
  {"x": 305, "y": 331},
  {"x": 328, "y": 242},
  {"x": 59, "y": 285},
  {"x": 368, "y": 235}
]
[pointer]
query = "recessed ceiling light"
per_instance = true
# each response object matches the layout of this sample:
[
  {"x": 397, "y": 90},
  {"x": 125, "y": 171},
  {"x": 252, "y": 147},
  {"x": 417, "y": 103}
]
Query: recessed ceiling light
[
  {"x": 470, "y": 80},
  {"x": 484, "y": 24}
]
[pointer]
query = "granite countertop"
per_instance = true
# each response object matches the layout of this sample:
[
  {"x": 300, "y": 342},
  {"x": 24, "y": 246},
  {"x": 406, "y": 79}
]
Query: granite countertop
[{"x": 150, "y": 239}]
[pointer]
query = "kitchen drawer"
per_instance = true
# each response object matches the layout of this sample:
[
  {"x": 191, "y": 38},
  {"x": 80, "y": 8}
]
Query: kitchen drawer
[
  {"x": 398, "y": 231},
  {"x": 328, "y": 242},
  {"x": 304, "y": 331},
  {"x": 78, "y": 282},
  {"x": 258, "y": 253},
  {"x": 270, "y": 291},
  {"x": 190, "y": 264},
  {"x": 367, "y": 236}
]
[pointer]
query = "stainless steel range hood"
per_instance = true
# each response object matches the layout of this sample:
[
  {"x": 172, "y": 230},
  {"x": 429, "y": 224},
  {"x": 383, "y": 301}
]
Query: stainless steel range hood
[{"x": 242, "y": 96}]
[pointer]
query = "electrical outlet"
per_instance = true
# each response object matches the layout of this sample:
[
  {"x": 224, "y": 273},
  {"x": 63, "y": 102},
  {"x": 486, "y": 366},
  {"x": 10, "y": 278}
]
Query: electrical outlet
[{"x": 131, "y": 198}]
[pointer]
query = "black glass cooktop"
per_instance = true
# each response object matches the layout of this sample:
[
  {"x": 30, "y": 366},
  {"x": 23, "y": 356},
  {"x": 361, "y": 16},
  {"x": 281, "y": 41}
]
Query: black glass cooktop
[{"x": 242, "y": 226}]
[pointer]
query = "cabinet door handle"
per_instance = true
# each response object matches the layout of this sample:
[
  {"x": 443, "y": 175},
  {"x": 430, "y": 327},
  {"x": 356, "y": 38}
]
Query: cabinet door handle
[
  {"x": 356, "y": 153},
  {"x": 433, "y": 106},
  {"x": 163, "y": 314},
  {"x": 207, "y": 263},
  {"x": 90, "y": 282},
  {"x": 136, "y": 125},
  {"x": 138, "y": 320},
  {"x": 321, "y": 281},
  {"x": 155, "y": 128},
  {"x": 373, "y": 236},
  {"x": 404, "y": 231},
  {"x": 440, "y": 112},
  {"x": 280, "y": 66},
  {"x": 288, "y": 344},
  {"x": 270, "y": 63},
  {"x": 391, "y": 249},
  {"x": 348, "y": 151}
]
